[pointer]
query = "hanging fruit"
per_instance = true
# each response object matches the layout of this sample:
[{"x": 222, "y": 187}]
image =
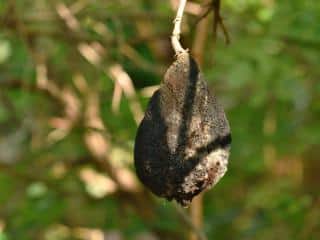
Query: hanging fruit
[{"x": 183, "y": 142}]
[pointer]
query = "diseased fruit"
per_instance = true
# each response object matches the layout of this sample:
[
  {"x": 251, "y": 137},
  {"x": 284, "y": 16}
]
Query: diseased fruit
[{"x": 183, "y": 142}]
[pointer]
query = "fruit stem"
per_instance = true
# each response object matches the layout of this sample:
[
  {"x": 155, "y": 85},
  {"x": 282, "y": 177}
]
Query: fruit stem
[{"x": 177, "y": 29}]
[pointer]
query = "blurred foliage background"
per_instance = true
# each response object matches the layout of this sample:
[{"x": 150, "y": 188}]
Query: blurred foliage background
[{"x": 75, "y": 78}]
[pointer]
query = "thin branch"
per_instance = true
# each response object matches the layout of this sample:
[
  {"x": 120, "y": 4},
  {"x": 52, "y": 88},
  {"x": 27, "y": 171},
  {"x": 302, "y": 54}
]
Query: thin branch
[
  {"x": 218, "y": 21},
  {"x": 215, "y": 6},
  {"x": 188, "y": 221},
  {"x": 117, "y": 73},
  {"x": 205, "y": 13},
  {"x": 200, "y": 40},
  {"x": 177, "y": 29}
]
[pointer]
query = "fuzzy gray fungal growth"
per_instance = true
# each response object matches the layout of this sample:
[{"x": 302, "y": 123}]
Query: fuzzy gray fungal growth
[{"x": 183, "y": 142}]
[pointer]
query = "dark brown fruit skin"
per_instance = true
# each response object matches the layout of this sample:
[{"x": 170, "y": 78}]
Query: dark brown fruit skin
[{"x": 183, "y": 142}]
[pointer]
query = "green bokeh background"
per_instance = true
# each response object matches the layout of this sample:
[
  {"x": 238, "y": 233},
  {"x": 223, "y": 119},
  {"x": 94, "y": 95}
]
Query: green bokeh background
[{"x": 268, "y": 80}]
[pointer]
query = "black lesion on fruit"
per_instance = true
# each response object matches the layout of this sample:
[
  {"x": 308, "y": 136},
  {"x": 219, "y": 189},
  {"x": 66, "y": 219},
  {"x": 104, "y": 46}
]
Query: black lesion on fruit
[{"x": 164, "y": 169}]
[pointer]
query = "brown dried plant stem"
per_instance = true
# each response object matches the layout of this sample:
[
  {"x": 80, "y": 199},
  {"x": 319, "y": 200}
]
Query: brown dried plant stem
[
  {"x": 198, "y": 233},
  {"x": 196, "y": 215},
  {"x": 218, "y": 21}
]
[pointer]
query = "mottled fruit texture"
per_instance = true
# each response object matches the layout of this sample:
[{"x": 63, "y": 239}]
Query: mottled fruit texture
[{"x": 183, "y": 142}]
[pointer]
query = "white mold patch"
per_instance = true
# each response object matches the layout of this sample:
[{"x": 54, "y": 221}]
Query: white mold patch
[{"x": 217, "y": 161}]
